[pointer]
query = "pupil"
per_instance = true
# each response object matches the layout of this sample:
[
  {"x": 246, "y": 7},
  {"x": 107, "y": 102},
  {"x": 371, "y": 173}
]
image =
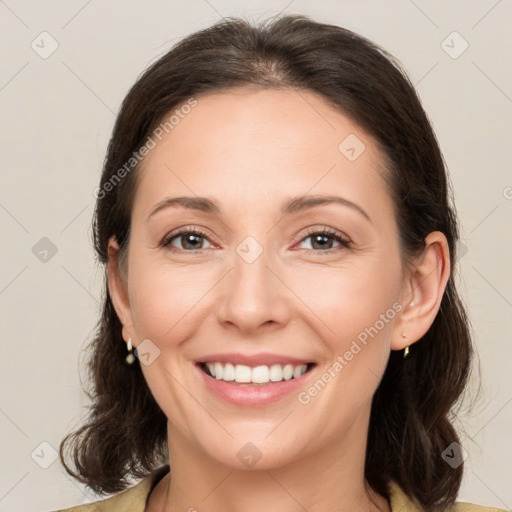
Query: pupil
[
  {"x": 319, "y": 237},
  {"x": 191, "y": 237}
]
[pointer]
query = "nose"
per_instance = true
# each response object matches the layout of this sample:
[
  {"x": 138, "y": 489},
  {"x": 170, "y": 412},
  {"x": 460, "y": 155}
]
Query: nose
[{"x": 253, "y": 297}]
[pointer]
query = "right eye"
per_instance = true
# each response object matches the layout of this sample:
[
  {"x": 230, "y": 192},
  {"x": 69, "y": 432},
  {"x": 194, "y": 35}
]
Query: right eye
[{"x": 190, "y": 240}]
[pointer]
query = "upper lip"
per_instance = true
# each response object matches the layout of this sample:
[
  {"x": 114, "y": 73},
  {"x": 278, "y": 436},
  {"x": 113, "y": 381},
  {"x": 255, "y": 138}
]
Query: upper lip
[{"x": 253, "y": 360}]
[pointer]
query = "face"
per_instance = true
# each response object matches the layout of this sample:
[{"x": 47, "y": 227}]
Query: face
[{"x": 250, "y": 273}]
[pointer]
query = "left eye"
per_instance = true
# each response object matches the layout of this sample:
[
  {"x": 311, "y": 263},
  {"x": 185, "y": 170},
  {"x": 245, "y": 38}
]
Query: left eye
[{"x": 323, "y": 240}]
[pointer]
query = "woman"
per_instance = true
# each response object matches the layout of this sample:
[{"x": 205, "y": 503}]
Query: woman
[{"x": 276, "y": 225}]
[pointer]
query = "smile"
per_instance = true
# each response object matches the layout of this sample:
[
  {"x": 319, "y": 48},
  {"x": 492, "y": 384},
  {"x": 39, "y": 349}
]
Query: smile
[
  {"x": 262, "y": 374},
  {"x": 255, "y": 385}
]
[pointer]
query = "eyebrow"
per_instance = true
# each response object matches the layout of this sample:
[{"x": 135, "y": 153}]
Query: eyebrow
[{"x": 293, "y": 205}]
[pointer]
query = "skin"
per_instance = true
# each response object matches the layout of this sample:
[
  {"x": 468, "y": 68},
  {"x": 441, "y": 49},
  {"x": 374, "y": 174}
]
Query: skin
[{"x": 250, "y": 151}]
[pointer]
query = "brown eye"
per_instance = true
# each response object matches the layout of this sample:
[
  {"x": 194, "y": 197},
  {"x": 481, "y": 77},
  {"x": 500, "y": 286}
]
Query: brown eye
[
  {"x": 323, "y": 240},
  {"x": 190, "y": 240}
]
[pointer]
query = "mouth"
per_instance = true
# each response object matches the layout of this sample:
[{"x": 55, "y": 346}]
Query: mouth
[
  {"x": 256, "y": 380},
  {"x": 261, "y": 375}
]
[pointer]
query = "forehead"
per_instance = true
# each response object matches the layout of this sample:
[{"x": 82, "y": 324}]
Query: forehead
[{"x": 258, "y": 145}]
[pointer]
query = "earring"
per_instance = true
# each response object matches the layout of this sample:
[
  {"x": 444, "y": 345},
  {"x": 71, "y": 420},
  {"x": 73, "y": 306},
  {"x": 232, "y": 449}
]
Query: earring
[
  {"x": 130, "y": 358},
  {"x": 406, "y": 350}
]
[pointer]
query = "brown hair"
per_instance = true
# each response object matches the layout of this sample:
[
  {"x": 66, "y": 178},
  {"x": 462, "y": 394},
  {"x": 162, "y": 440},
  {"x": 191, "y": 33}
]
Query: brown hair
[{"x": 125, "y": 432}]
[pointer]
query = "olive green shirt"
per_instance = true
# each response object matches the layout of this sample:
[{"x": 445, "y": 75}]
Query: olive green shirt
[{"x": 135, "y": 498}]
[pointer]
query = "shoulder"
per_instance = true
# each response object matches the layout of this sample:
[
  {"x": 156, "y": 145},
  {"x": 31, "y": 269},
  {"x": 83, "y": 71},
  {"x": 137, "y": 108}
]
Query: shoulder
[
  {"x": 470, "y": 507},
  {"x": 400, "y": 502},
  {"x": 131, "y": 500}
]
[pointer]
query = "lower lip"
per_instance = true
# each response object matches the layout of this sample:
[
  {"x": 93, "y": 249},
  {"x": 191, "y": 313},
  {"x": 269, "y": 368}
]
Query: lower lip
[{"x": 252, "y": 395}]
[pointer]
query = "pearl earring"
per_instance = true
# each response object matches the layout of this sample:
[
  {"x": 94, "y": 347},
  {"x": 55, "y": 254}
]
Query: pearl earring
[{"x": 130, "y": 358}]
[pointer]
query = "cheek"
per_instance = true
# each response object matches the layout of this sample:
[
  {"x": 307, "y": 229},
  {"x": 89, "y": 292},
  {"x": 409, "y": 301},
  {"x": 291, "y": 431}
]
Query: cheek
[
  {"x": 342, "y": 302},
  {"x": 359, "y": 306},
  {"x": 162, "y": 299},
  {"x": 349, "y": 300}
]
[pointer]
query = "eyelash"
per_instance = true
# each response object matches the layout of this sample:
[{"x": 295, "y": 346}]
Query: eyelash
[{"x": 344, "y": 242}]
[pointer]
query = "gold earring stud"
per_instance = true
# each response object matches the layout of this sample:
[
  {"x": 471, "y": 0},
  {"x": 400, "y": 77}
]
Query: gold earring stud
[{"x": 406, "y": 350}]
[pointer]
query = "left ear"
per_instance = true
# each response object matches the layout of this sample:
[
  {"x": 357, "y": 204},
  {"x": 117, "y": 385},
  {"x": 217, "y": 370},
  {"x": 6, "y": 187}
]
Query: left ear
[{"x": 423, "y": 291}]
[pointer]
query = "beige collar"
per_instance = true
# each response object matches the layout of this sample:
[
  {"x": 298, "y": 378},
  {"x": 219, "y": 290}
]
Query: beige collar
[{"x": 399, "y": 501}]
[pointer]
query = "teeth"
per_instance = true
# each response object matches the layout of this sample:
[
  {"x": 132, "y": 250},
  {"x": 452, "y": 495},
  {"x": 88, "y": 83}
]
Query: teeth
[
  {"x": 218, "y": 371},
  {"x": 260, "y": 374},
  {"x": 297, "y": 372},
  {"x": 257, "y": 375},
  {"x": 228, "y": 372},
  {"x": 242, "y": 373}
]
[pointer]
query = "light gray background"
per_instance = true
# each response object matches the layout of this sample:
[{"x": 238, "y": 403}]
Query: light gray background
[{"x": 57, "y": 114}]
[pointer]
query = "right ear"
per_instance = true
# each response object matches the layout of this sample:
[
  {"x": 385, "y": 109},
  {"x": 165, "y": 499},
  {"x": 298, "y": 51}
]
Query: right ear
[{"x": 118, "y": 289}]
